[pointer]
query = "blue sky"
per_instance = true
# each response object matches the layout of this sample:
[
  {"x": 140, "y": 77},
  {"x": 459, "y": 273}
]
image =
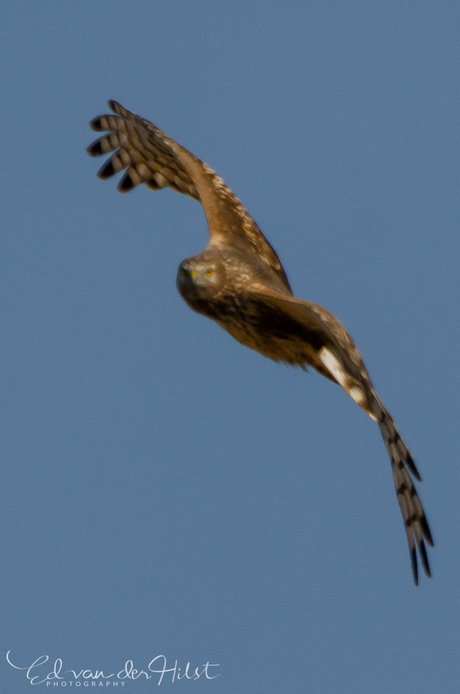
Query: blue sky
[{"x": 167, "y": 491}]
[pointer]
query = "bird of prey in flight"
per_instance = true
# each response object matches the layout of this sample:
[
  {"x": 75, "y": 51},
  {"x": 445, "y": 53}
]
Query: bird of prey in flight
[{"x": 239, "y": 282}]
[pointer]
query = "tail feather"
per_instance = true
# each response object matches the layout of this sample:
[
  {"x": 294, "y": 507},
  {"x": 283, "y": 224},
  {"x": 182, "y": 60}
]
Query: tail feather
[{"x": 402, "y": 463}]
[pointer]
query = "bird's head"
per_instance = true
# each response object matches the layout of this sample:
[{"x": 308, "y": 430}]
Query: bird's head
[{"x": 201, "y": 279}]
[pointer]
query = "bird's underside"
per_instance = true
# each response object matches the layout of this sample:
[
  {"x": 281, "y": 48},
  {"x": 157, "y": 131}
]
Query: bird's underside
[{"x": 239, "y": 282}]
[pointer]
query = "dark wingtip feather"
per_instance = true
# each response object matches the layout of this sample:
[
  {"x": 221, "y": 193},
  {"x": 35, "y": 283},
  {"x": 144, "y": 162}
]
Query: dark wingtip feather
[
  {"x": 95, "y": 149},
  {"x": 426, "y": 563},
  {"x": 152, "y": 184},
  {"x": 426, "y": 530},
  {"x": 106, "y": 171},
  {"x": 412, "y": 467},
  {"x": 114, "y": 105},
  {"x": 96, "y": 124},
  {"x": 413, "y": 557},
  {"x": 126, "y": 184}
]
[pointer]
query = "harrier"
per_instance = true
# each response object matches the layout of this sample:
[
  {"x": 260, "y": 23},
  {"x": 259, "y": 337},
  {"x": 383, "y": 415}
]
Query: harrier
[{"x": 239, "y": 282}]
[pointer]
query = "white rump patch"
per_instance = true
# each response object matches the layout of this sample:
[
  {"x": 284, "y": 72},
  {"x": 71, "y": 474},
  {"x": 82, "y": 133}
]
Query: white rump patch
[
  {"x": 333, "y": 365},
  {"x": 357, "y": 394}
]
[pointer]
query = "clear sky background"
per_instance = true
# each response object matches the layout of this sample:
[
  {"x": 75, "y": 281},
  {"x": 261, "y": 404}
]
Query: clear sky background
[{"x": 165, "y": 490}]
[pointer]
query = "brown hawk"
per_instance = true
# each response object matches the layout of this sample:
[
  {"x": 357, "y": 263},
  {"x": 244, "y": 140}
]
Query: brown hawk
[{"x": 238, "y": 281}]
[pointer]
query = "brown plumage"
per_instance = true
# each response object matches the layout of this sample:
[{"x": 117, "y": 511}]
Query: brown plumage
[{"x": 239, "y": 282}]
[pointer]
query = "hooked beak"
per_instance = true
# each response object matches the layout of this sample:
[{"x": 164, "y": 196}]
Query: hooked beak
[{"x": 186, "y": 276}]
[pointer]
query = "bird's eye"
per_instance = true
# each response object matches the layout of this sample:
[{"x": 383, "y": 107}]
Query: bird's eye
[{"x": 209, "y": 272}]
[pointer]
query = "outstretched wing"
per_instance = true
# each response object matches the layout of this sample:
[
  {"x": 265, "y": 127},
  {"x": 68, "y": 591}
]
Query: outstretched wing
[
  {"x": 142, "y": 149},
  {"x": 153, "y": 158},
  {"x": 299, "y": 333}
]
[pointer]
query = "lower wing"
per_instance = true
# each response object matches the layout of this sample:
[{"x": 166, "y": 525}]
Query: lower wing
[{"x": 299, "y": 333}]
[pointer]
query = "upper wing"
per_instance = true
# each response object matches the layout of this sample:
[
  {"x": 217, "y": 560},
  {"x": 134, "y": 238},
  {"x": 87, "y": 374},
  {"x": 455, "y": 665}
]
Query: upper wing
[{"x": 153, "y": 158}]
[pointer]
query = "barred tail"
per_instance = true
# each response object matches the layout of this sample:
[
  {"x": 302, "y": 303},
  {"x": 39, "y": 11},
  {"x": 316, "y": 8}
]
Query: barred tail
[{"x": 402, "y": 463}]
